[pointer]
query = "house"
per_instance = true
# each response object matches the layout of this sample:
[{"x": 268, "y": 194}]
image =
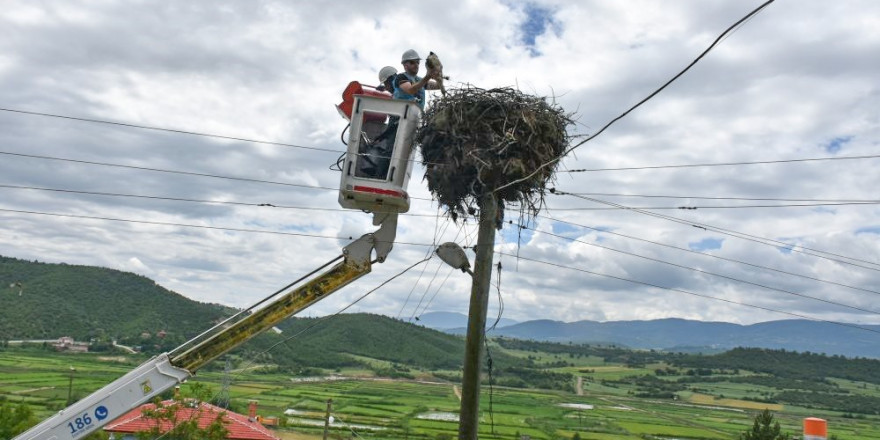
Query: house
[
  {"x": 66, "y": 343},
  {"x": 240, "y": 427}
]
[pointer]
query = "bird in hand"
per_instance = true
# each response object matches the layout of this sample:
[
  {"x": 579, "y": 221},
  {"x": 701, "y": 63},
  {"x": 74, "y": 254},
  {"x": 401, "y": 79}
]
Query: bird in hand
[{"x": 432, "y": 62}]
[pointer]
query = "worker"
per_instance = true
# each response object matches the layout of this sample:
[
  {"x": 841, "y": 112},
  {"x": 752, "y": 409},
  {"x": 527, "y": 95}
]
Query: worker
[
  {"x": 386, "y": 79},
  {"x": 408, "y": 85},
  {"x": 376, "y": 154}
]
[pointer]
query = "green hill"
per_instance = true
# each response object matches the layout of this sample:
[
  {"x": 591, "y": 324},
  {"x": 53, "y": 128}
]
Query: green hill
[
  {"x": 93, "y": 303},
  {"x": 85, "y": 302},
  {"x": 354, "y": 340}
]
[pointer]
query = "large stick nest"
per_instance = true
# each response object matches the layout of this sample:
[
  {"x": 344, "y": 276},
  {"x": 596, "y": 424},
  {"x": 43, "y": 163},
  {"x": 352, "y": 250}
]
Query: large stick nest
[{"x": 475, "y": 141}]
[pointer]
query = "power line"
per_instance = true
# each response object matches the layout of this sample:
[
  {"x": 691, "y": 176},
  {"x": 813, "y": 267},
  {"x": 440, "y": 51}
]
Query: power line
[
  {"x": 170, "y": 130},
  {"x": 359, "y": 299},
  {"x": 209, "y": 202},
  {"x": 695, "y": 207},
  {"x": 280, "y": 206},
  {"x": 183, "y": 225},
  {"x": 646, "y": 99},
  {"x": 283, "y": 144},
  {"x": 657, "y": 260},
  {"x": 436, "y": 291},
  {"x": 691, "y": 293},
  {"x": 160, "y": 170},
  {"x": 762, "y": 240},
  {"x": 724, "y": 164},
  {"x": 761, "y": 199},
  {"x": 427, "y": 253},
  {"x": 758, "y": 266},
  {"x": 318, "y": 321},
  {"x": 402, "y": 243},
  {"x": 428, "y": 289},
  {"x": 188, "y": 132},
  {"x": 186, "y": 173}
]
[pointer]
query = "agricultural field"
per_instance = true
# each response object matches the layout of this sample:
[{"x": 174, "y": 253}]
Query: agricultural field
[{"x": 604, "y": 407}]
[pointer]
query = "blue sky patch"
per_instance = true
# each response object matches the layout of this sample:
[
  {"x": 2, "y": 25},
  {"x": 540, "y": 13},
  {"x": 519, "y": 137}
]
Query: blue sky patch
[
  {"x": 868, "y": 230},
  {"x": 789, "y": 244},
  {"x": 565, "y": 229},
  {"x": 837, "y": 144},
  {"x": 538, "y": 20},
  {"x": 512, "y": 234},
  {"x": 785, "y": 250},
  {"x": 706, "y": 244}
]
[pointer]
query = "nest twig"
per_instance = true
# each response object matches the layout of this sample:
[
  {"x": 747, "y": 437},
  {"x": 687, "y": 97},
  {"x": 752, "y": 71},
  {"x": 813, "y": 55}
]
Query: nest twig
[{"x": 474, "y": 141}]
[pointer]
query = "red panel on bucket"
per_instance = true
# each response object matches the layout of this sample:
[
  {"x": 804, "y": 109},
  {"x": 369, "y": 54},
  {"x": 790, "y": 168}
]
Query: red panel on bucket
[
  {"x": 356, "y": 88},
  {"x": 385, "y": 192}
]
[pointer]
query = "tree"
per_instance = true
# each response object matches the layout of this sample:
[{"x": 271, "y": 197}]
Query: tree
[
  {"x": 765, "y": 428},
  {"x": 183, "y": 428},
  {"x": 15, "y": 419}
]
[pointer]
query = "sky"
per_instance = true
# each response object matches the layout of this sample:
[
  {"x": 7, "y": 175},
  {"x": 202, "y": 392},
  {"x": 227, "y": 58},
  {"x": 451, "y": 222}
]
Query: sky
[{"x": 773, "y": 236}]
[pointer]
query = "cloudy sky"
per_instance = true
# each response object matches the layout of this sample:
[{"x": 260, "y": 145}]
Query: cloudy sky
[{"x": 779, "y": 239}]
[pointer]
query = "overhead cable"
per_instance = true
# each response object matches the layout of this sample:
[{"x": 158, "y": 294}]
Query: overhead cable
[
  {"x": 759, "y": 199},
  {"x": 209, "y": 202},
  {"x": 187, "y": 132},
  {"x": 672, "y": 289},
  {"x": 646, "y": 99},
  {"x": 680, "y": 266},
  {"x": 704, "y": 207},
  {"x": 732, "y": 260},
  {"x": 186, "y": 173},
  {"x": 724, "y": 164},
  {"x": 160, "y": 170},
  {"x": 171, "y": 130},
  {"x": 741, "y": 235},
  {"x": 183, "y": 225}
]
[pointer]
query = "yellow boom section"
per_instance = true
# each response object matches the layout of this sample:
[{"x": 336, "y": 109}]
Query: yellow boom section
[{"x": 263, "y": 319}]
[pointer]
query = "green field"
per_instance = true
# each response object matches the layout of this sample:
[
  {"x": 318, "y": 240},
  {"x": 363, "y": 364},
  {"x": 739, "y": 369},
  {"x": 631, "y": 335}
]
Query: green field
[{"x": 373, "y": 407}]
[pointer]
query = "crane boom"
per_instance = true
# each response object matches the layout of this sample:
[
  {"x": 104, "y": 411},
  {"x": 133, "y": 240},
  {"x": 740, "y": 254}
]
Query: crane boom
[{"x": 164, "y": 371}]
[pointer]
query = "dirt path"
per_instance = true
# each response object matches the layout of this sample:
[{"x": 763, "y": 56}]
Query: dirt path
[
  {"x": 32, "y": 390},
  {"x": 457, "y": 392},
  {"x": 580, "y": 386}
]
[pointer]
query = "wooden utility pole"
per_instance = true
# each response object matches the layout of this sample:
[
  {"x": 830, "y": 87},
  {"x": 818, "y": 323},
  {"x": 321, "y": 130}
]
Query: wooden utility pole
[
  {"x": 468, "y": 425},
  {"x": 70, "y": 386},
  {"x": 327, "y": 418}
]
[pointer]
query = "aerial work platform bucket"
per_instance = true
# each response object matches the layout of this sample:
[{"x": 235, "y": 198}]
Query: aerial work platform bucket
[{"x": 377, "y": 165}]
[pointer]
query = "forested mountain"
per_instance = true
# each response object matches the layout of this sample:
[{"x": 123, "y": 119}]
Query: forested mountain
[
  {"x": 349, "y": 340},
  {"x": 46, "y": 301},
  {"x": 850, "y": 340},
  {"x": 380, "y": 337},
  {"x": 787, "y": 364}
]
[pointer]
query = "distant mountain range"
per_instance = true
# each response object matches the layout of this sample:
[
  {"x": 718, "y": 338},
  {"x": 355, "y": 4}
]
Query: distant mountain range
[
  {"x": 452, "y": 320},
  {"x": 688, "y": 336},
  {"x": 45, "y": 301}
]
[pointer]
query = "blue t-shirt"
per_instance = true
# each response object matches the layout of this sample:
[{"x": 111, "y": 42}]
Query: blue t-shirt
[{"x": 400, "y": 94}]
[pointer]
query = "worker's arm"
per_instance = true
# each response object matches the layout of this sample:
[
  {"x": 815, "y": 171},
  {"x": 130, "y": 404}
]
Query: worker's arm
[{"x": 427, "y": 82}]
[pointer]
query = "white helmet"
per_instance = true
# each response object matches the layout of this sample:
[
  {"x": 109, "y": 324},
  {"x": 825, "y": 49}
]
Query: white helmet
[
  {"x": 410, "y": 55},
  {"x": 386, "y": 72}
]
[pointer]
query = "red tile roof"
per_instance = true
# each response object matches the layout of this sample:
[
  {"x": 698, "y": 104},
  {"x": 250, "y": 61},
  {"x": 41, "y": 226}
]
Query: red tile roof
[{"x": 239, "y": 427}]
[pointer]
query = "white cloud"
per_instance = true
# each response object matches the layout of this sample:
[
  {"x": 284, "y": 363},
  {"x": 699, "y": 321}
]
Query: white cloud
[{"x": 783, "y": 86}]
